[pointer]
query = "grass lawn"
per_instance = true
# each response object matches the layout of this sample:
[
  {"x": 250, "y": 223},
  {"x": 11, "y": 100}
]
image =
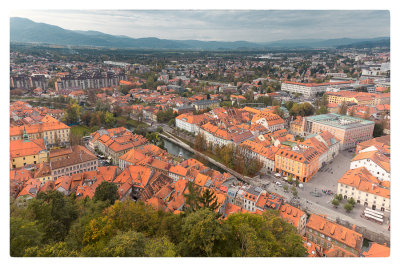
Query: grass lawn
[
  {"x": 80, "y": 130},
  {"x": 130, "y": 122}
]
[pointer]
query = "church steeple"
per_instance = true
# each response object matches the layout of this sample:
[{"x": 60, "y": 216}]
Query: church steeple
[{"x": 25, "y": 137}]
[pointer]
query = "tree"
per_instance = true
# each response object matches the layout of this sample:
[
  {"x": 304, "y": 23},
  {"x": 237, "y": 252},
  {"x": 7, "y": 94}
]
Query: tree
[
  {"x": 285, "y": 187},
  {"x": 208, "y": 200},
  {"x": 200, "y": 142},
  {"x": 23, "y": 234},
  {"x": 335, "y": 202},
  {"x": 289, "y": 104},
  {"x": 117, "y": 110},
  {"x": 322, "y": 110},
  {"x": 339, "y": 197},
  {"x": 95, "y": 120},
  {"x": 128, "y": 244},
  {"x": 343, "y": 108},
  {"x": 73, "y": 112},
  {"x": 171, "y": 123},
  {"x": 378, "y": 130},
  {"x": 86, "y": 118},
  {"x": 106, "y": 192},
  {"x": 252, "y": 235},
  {"x": 55, "y": 213},
  {"x": 290, "y": 179},
  {"x": 348, "y": 207},
  {"x": 59, "y": 249},
  {"x": 294, "y": 191},
  {"x": 191, "y": 198},
  {"x": 351, "y": 201},
  {"x": 278, "y": 111},
  {"x": 160, "y": 247},
  {"x": 308, "y": 109},
  {"x": 201, "y": 232},
  {"x": 109, "y": 119}
]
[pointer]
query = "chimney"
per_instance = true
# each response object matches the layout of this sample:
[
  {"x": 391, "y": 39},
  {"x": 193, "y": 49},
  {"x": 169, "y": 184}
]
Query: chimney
[{"x": 354, "y": 227}]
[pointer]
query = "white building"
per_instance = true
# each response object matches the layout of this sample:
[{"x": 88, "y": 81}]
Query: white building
[
  {"x": 189, "y": 122},
  {"x": 375, "y": 162},
  {"x": 309, "y": 89},
  {"x": 365, "y": 189}
]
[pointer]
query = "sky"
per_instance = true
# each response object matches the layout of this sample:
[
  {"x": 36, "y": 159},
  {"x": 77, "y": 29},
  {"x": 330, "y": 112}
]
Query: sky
[{"x": 221, "y": 25}]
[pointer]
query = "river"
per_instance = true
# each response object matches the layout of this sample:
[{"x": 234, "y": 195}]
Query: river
[{"x": 175, "y": 150}]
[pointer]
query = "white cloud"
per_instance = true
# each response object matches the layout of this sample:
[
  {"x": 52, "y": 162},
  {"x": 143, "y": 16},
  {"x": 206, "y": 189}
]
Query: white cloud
[{"x": 221, "y": 25}]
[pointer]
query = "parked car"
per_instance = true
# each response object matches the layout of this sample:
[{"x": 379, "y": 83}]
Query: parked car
[{"x": 278, "y": 184}]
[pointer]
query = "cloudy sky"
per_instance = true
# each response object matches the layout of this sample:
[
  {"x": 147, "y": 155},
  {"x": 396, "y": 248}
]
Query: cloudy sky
[{"x": 254, "y": 26}]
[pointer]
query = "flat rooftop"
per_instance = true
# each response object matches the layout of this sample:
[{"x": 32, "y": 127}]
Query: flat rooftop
[{"x": 339, "y": 121}]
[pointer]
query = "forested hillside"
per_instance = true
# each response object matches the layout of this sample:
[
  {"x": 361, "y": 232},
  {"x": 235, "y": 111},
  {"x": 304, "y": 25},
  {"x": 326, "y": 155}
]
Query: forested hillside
[{"x": 54, "y": 225}]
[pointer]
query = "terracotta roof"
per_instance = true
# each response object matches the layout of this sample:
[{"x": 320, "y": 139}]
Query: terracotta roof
[
  {"x": 179, "y": 170},
  {"x": 19, "y": 148},
  {"x": 79, "y": 155},
  {"x": 21, "y": 175},
  {"x": 375, "y": 156},
  {"x": 291, "y": 214},
  {"x": 156, "y": 203},
  {"x": 336, "y": 251},
  {"x": 335, "y": 231},
  {"x": 47, "y": 123},
  {"x": 377, "y": 250},
  {"x": 363, "y": 180}
]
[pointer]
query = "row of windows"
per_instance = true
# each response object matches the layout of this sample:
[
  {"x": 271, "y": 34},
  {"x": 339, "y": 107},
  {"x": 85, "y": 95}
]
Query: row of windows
[
  {"x": 75, "y": 167},
  {"x": 80, "y": 171}
]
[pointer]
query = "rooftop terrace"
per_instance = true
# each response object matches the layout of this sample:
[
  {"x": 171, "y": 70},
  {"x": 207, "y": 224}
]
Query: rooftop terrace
[{"x": 339, "y": 121}]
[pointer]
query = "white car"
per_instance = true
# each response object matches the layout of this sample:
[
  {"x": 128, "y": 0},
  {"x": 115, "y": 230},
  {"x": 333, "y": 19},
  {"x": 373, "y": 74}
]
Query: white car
[{"x": 278, "y": 184}]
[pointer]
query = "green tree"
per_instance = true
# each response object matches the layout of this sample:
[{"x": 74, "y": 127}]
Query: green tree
[
  {"x": 73, "y": 112},
  {"x": 208, "y": 200},
  {"x": 55, "y": 213},
  {"x": 109, "y": 119},
  {"x": 294, "y": 191},
  {"x": 351, "y": 201},
  {"x": 106, "y": 192},
  {"x": 160, "y": 247},
  {"x": 378, "y": 130},
  {"x": 192, "y": 197},
  {"x": 59, "y": 249},
  {"x": 253, "y": 235},
  {"x": 339, "y": 197},
  {"x": 335, "y": 202},
  {"x": 285, "y": 187},
  {"x": 348, "y": 207},
  {"x": 201, "y": 232},
  {"x": 23, "y": 234},
  {"x": 128, "y": 244},
  {"x": 322, "y": 110}
]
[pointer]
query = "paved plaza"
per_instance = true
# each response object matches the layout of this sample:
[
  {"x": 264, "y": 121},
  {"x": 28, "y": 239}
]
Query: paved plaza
[{"x": 325, "y": 179}]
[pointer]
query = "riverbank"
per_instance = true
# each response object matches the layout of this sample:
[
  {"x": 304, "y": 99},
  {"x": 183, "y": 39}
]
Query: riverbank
[{"x": 187, "y": 147}]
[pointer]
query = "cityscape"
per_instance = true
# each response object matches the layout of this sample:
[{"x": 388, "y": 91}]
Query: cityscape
[{"x": 146, "y": 146}]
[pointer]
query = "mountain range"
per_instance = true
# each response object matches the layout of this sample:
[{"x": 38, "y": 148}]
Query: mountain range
[{"x": 23, "y": 30}]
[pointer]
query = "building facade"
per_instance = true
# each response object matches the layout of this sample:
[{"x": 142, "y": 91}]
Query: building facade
[{"x": 349, "y": 130}]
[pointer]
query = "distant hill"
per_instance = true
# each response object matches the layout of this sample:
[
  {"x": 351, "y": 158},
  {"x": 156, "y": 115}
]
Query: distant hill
[
  {"x": 382, "y": 42},
  {"x": 27, "y": 31}
]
